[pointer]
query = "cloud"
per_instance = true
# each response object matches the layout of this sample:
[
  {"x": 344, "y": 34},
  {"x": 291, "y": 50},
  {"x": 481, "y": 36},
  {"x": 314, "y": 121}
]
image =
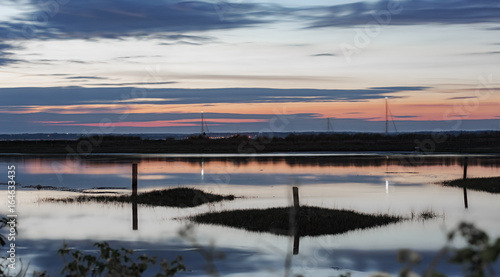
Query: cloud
[
  {"x": 459, "y": 115},
  {"x": 85, "y": 77},
  {"x": 181, "y": 37},
  {"x": 6, "y": 61},
  {"x": 4, "y": 47},
  {"x": 53, "y": 61},
  {"x": 180, "y": 42},
  {"x": 117, "y": 19},
  {"x": 53, "y": 96},
  {"x": 485, "y": 53},
  {"x": 324, "y": 55},
  {"x": 5, "y": 55},
  {"x": 170, "y": 20},
  {"x": 133, "y": 84},
  {"x": 188, "y": 122},
  {"x": 416, "y": 88},
  {"x": 404, "y": 116},
  {"x": 409, "y": 12},
  {"x": 219, "y": 122},
  {"x": 241, "y": 77},
  {"x": 51, "y": 118},
  {"x": 175, "y": 39},
  {"x": 156, "y": 123},
  {"x": 460, "y": 98},
  {"x": 137, "y": 57},
  {"x": 53, "y": 74}
]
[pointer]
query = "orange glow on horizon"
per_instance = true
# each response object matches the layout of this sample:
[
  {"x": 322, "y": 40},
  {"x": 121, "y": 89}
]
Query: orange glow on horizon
[
  {"x": 156, "y": 123},
  {"x": 427, "y": 107}
]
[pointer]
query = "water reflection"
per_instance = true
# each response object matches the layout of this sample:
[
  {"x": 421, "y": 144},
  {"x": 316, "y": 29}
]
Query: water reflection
[
  {"x": 65, "y": 162},
  {"x": 371, "y": 184},
  {"x": 174, "y": 171},
  {"x": 202, "y": 172}
]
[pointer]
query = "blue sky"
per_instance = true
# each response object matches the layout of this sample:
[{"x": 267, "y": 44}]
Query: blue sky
[{"x": 153, "y": 66}]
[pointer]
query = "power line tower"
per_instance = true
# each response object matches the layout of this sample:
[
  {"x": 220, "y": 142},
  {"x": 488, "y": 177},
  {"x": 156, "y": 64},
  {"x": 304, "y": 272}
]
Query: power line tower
[
  {"x": 387, "y": 114},
  {"x": 204, "y": 127},
  {"x": 329, "y": 126}
]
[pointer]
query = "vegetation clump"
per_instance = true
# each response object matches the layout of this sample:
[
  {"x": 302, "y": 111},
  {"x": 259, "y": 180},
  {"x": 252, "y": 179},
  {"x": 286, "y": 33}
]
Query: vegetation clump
[
  {"x": 114, "y": 262},
  {"x": 478, "y": 258},
  {"x": 424, "y": 215},
  {"x": 175, "y": 197},
  {"x": 308, "y": 221},
  {"x": 491, "y": 184}
]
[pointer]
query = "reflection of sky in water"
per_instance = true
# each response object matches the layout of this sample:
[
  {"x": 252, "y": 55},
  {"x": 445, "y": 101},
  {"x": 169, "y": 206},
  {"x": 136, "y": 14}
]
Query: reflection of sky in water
[
  {"x": 100, "y": 172},
  {"x": 365, "y": 184}
]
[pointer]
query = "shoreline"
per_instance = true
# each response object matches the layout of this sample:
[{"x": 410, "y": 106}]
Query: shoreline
[
  {"x": 293, "y": 144},
  {"x": 346, "y": 154}
]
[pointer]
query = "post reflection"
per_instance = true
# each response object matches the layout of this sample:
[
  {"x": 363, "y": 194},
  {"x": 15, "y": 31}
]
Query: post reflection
[
  {"x": 135, "y": 224},
  {"x": 466, "y": 202}
]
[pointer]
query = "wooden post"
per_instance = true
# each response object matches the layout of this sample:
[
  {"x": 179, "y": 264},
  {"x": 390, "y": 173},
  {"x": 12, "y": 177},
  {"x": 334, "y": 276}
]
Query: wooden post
[
  {"x": 134, "y": 180},
  {"x": 135, "y": 224},
  {"x": 465, "y": 167},
  {"x": 466, "y": 202},
  {"x": 296, "y": 205},
  {"x": 296, "y": 208}
]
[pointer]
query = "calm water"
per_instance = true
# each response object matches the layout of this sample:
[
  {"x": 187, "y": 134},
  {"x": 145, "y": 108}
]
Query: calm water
[{"x": 368, "y": 183}]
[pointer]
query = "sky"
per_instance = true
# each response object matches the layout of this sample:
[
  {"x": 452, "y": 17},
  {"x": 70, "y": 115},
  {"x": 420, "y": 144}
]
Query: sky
[{"x": 124, "y": 66}]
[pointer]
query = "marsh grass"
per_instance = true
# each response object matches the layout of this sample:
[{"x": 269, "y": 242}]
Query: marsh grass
[
  {"x": 310, "y": 221},
  {"x": 425, "y": 215},
  {"x": 490, "y": 184},
  {"x": 175, "y": 197}
]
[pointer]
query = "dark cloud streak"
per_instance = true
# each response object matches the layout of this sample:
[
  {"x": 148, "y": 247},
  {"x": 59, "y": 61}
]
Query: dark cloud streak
[
  {"x": 85, "y": 77},
  {"x": 461, "y": 98},
  {"x": 79, "y": 95},
  {"x": 324, "y": 55},
  {"x": 117, "y": 19},
  {"x": 133, "y": 84},
  {"x": 170, "y": 20},
  {"x": 5, "y": 55},
  {"x": 412, "y": 12}
]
